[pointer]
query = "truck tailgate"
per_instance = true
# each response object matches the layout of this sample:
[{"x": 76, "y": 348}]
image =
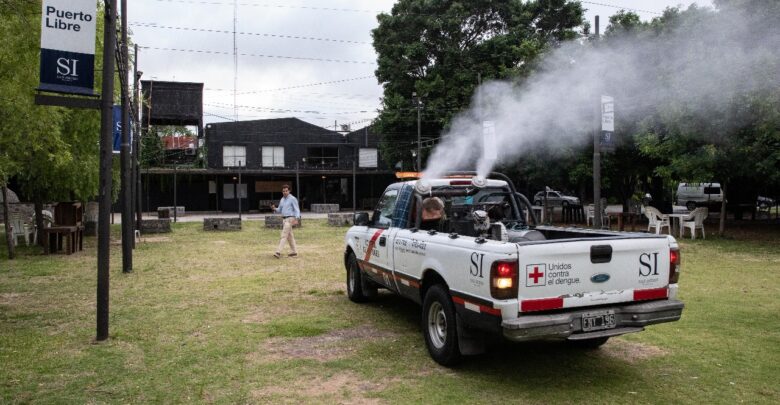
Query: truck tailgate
[{"x": 577, "y": 273}]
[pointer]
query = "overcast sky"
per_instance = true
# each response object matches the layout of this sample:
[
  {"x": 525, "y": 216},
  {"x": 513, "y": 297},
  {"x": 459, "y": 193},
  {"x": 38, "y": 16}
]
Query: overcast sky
[{"x": 289, "y": 51}]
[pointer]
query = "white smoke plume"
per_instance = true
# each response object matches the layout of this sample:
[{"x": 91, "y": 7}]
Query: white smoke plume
[{"x": 701, "y": 66}]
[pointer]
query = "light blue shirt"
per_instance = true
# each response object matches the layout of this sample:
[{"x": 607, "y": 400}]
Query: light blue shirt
[{"x": 288, "y": 207}]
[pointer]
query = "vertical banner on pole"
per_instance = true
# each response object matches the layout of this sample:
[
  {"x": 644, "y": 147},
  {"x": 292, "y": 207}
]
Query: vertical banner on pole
[
  {"x": 607, "y": 141},
  {"x": 68, "y": 46},
  {"x": 116, "y": 130}
]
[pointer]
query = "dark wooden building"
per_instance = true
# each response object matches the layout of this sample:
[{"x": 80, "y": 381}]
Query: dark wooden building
[{"x": 321, "y": 166}]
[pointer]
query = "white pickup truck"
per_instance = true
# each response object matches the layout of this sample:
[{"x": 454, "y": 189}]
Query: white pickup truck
[{"x": 484, "y": 270}]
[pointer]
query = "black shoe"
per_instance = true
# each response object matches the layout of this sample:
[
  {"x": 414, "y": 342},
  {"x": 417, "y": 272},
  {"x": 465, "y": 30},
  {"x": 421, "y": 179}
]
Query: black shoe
[{"x": 293, "y": 255}]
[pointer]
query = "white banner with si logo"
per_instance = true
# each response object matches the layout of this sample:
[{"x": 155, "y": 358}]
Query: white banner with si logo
[{"x": 68, "y": 46}]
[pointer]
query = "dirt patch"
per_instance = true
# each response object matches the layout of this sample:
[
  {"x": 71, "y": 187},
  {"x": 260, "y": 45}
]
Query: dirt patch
[
  {"x": 631, "y": 352},
  {"x": 219, "y": 242},
  {"x": 342, "y": 388},
  {"x": 329, "y": 346},
  {"x": 263, "y": 315},
  {"x": 12, "y": 298}
]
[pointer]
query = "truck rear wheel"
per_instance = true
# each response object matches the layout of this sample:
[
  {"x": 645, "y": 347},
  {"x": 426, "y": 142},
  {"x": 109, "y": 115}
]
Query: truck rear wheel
[
  {"x": 439, "y": 328},
  {"x": 358, "y": 289},
  {"x": 690, "y": 205}
]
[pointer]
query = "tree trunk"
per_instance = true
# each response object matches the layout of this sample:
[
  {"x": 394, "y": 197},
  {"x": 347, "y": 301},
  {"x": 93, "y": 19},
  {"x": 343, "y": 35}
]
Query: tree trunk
[
  {"x": 39, "y": 221},
  {"x": 722, "y": 226},
  {"x": 8, "y": 236}
]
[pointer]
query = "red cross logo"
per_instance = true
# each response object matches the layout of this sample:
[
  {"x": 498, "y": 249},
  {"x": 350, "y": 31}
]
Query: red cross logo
[{"x": 534, "y": 275}]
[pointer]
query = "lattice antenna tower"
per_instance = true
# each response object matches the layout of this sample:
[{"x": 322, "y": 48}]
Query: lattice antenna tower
[{"x": 235, "y": 59}]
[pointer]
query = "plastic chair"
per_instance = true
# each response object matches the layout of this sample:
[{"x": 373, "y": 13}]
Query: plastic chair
[
  {"x": 19, "y": 228},
  {"x": 694, "y": 221},
  {"x": 48, "y": 220},
  {"x": 657, "y": 220},
  {"x": 590, "y": 216}
]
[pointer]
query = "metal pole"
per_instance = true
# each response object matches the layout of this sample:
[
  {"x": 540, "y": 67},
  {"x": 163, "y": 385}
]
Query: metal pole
[
  {"x": 297, "y": 180},
  {"x": 104, "y": 207},
  {"x": 175, "y": 190},
  {"x": 354, "y": 200},
  {"x": 137, "y": 143},
  {"x": 238, "y": 190},
  {"x": 419, "y": 130},
  {"x": 126, "y": 184},
  {"x": 597, "y": 209}
]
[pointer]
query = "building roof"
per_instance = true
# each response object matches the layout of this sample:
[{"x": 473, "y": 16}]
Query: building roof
[{"x": 275, "y": 125}]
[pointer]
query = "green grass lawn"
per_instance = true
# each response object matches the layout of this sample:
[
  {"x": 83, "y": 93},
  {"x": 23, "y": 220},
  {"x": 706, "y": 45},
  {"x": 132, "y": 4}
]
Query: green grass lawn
[{"x": 213, "y": 317}]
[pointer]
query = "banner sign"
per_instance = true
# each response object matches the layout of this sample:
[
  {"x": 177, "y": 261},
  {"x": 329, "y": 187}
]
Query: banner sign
[
  {"x": 607, "y": 140},
  {"x": 117, "y": 130},
  {"x": 68, "y": 46}
]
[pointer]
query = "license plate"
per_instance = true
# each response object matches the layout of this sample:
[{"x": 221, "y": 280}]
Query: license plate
[{"x": 598, "y": 320}]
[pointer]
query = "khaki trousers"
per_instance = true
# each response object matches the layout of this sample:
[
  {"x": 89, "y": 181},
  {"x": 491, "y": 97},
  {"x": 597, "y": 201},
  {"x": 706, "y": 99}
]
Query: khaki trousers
[{"x": 287, "y": 236}]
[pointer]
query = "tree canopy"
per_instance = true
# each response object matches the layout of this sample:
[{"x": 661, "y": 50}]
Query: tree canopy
[
  {"x": 51, "y": 151},
  {"x": 439, "y": 49}
]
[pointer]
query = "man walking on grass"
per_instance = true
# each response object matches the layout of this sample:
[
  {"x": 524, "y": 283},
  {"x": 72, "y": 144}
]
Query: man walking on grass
[{"x": 288, "y": 207}]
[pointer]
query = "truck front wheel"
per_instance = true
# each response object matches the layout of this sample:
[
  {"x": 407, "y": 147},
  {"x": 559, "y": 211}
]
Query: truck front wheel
[
  {"x": 358, "y": 289},
  {"x": 439, "y": 328}
]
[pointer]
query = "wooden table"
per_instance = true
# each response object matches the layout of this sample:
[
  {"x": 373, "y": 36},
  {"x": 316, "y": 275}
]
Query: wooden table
[{"x": 54, "y": 236}]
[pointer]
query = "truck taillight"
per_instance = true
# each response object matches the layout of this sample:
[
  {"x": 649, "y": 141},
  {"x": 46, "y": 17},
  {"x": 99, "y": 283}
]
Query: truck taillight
[
  {"x": 674, "y": 266},
  {"x": 503, "y": 280}
]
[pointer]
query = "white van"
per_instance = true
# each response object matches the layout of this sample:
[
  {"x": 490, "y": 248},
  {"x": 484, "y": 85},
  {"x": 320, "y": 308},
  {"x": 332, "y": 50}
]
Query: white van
[{"x": 692, "y": 195}]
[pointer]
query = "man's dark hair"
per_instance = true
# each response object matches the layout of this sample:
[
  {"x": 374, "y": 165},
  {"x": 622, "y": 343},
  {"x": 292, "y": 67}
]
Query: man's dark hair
[{"x": 286, "y": 186}]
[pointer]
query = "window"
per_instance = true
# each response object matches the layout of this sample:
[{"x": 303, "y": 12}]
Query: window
[
  {"x": 232, "y": 155},
  {"x": 231, "y": 191},
  {"x": 367, "y": 157},
  {"x": 322, "y": 157},
  {"x": 228, "y": 191},
  {"x": 383, "y": 215},
  {"x": 273, "y": 156}
]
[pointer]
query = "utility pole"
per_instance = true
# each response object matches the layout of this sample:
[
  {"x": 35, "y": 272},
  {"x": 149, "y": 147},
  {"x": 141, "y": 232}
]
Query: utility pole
[
  {"x": 104, "y": 207},
  {"x": 137, "y": 143},
  {"x": 418, "y": 103},
  {"x": 126, "y": 186},
  {"x": 238, "y": 190},
  {"x": 175, "y": 199},
  {"x": 597, "y": 208}
]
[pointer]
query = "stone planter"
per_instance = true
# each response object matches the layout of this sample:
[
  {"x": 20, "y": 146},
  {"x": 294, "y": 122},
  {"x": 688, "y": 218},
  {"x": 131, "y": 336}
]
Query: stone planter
[
  {"x": 340, "y": 219},
  {"x": 324, "y": 208},
  {"x": 155, "y": 226},
  {"x": 221, "y": 224},
  {"x": 275, "y": 221}
]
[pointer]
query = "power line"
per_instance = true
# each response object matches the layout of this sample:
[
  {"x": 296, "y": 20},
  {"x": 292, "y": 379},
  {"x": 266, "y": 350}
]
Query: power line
[
  {"x": 286, "y": 111},
  {"x": 155, "y": 25},
  {"x": 258, "y": 55},
  {"x": 294, "y": 87},
  {"x": 621, "y": 7},
  {"x": 266, "y": 5}
]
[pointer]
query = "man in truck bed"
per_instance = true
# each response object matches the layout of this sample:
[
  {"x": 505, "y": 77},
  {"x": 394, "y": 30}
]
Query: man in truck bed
[{"x": 484, "y": 270}]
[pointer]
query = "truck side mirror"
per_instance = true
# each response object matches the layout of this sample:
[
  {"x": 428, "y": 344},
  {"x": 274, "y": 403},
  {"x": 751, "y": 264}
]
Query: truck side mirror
[{"x": 360, "y": 219}]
